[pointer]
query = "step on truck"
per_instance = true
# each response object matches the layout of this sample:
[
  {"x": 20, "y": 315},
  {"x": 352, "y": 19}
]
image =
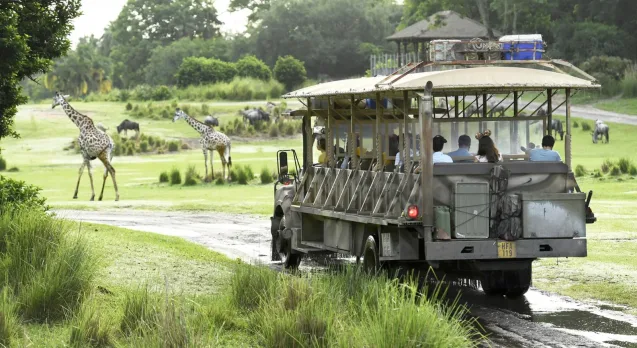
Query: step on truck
[{"x": 366, "y": 185}]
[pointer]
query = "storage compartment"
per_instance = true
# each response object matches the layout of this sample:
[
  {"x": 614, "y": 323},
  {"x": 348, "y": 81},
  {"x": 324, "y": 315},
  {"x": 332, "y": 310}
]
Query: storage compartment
[
  {"x": 553, "y": 215},
  {"x": 442, "y": 219},
  {"x": 337, "y": 234},
  {"x": 442, "y": 50},
  {"x": 471, "y": 210},
  {"x": 522, "y": 47}
]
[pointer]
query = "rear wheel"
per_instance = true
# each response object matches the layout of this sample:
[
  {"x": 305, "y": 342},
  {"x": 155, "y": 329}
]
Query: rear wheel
[
  {"x": 281, "y": 247},
  {"x": 371, "y": 262},
  {"x": 511, "y": 284}
]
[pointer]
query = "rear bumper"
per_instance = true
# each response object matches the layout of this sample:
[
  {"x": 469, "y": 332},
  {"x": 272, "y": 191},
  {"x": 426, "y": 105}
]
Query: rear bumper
[{"x": 488, "y": 249}]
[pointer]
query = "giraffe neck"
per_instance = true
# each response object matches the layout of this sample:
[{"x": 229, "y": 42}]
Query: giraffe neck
[
  {"x": 81, "y": 121},
  {"x": 198, "y": 126}
]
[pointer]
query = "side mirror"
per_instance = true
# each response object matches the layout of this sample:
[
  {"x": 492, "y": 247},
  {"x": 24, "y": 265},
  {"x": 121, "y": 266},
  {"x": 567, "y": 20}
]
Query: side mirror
[{"x": 283, "y": 164}]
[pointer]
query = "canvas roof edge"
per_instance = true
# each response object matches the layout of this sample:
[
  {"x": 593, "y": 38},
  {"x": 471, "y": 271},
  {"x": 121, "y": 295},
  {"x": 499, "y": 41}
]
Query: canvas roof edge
[{"x": 366, "y": 87}]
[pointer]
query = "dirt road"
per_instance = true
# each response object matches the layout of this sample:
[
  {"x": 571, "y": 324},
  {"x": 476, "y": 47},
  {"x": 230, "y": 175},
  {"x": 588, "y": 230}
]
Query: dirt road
[{"x": 539, "y": 319}]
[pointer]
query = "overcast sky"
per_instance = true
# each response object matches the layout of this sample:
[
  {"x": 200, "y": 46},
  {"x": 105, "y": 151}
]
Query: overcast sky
[{"x": 97, "y": 14}]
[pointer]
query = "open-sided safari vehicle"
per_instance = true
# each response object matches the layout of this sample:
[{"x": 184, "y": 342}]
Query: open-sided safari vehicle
[{"x": 485, "y": 221}]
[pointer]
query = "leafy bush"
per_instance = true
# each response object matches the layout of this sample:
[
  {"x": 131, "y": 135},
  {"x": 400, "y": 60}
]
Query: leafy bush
[
  {"x": 249, "y": 172},
  {"x": 266, "y": 176},
  {"x": 129, "y": 106},
  {"x": 632, "y": 170},
  {"x": 629, "y": 83},
  {"x": 130, "y": 150},
  {"x": 198, "y": 70},
  {"x": 220, "y": 181},
  {"x": 615, "y": 171},
  {"x": 142, "y": 92},
  {"x": 290, "y": 71},
  {"x": 3, "y": 163},
  {"x": 175, "y": 177},
  {"x": 48, "y": 269},
  {"x": 597, "y": 173},
  {"x": 274, "y": 131},
  {"x": 624, "y": 165},
  {"x": 18, "y": 193},
  {"x": 124, "y": 95},
  {"x": 191, "y": 176},
  {"x": 161, "y": 93},
  {"x": 13, "y": 169},
  {"x": 185, "y": 146},
  {"x": 585, "y": 126},
  {"x": 163, "y": 177},
  {"x": 580, "y": 170},
  {"x": 173, "y": 146},
  {"x": 251, "y": 66},
  {"x": 575, "y": 124},
  {"x": 606, "y": 166},
  {"x": 143, "y": 146}
]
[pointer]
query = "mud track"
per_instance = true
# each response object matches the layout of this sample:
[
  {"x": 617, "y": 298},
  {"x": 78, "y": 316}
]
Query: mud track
[{"x": 539, "y": 319}]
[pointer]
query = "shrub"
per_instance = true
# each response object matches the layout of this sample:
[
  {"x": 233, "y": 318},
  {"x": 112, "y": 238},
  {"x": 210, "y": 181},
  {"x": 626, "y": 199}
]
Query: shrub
[
  {"x": 124, "y": 95},
  {"x": 18, "y": 193},
  {"x": 143, "y": 146},
  {"x": 597, "y": 173},
  {"x": 140, "y": 312},
  {"x": 615, "y": 171},
  {"x": 185, "y": 146},
  {"x": 151, "y": 140},
  {"x": 290, "y": 71},
  {"x": 173, "y": 146},
  {"x": 249, "y": 172},
  {"x": 624, "y": 165},
  {"x": 575, "y": 124},
  {"x": 266, "y": 176},
  {"x": 48, "y": 269},
  {"x": 130, "y": 150},
  {"x": 220, "y": 181},
  {"x": 199, "y": 70},
  {"x": 274, "y": 131},
  {"x": 90, "y": 330},
  {"x": 251, "y": 66},
  {"x": 175, "y": 177},
  {"x": 251, "y": 286},
  {"x": 3, "y": 163},
  {"x": 290, "y": 129},
  {"x": 117, "y": 149},
  {"x": 163, "y": 177},
  {"x": 161, "y": 93},
  {"x": 129, "y": 106},
  {"x": 13, "y": 169},
  {"x": 205, "y": 110},
  {"x": 142, "y": 92},
  {"x": 606, "y": 166},
  {"x": 580, "y": 170},
  {"x": 585, "y": 126},
  {"x": 632, "y": 170},
  {"x": 190, "y": 179},
  {"x": 629, "y": 83}
]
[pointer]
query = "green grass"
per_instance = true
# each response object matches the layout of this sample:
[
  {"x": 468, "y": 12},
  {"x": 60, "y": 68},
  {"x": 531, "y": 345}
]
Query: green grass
[{"x": 626, "y": 106}]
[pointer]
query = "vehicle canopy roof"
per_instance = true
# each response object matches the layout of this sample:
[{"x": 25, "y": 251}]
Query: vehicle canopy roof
[{"x": 481, "y": 79}]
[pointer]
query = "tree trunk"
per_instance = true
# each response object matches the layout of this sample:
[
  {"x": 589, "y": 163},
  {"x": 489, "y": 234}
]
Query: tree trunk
[{"x": 483, "y": 7}]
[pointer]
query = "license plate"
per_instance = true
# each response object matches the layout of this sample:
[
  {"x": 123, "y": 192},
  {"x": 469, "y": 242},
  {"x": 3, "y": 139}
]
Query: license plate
[{"x": 506, "y": 250}]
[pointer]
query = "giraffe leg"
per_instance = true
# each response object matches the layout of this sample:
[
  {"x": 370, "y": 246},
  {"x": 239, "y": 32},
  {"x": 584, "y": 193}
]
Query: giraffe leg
[
  {"x": 205, "y": 160},
  {"x": 90, "y": 176},
  {"x": 223, "y": 164},
  {"x": 103, "y": 183},
  {"x": 77, "y": 186},
  {"x": 104, "y": 157},
  {"x": 212, "y": 170}
]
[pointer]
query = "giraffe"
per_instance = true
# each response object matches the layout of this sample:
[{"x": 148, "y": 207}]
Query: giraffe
[
  {"x": 211, "y": 140},
  {"x": 93, "y": 144}
]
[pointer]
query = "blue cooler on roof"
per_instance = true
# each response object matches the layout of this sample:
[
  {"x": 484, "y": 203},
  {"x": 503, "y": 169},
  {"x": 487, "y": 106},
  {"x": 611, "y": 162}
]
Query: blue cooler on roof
[
  {"x": 522, "y": 47},
  {"x": 371, "y": 103}
]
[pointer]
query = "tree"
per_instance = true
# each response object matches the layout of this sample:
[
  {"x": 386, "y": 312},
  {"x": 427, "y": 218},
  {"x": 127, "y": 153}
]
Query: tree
[
  {"x": 325, "y": 34},
  {"x": 143, "y": 25},
  {"x": 165, "y": 60},
  {"x": 256, "y": 7},
  {"x": 290, "y": 72},
  {"x": 251, "y": 66},
  {"x": 32, "y": 34},
  {"x": 82, "y": 71},
  {"x": 199, "y": 70}
]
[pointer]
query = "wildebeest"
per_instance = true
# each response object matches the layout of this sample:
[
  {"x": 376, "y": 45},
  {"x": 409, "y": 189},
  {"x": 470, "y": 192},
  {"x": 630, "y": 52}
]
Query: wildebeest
[
  {"x": 211, "y": 121},
  {"x": 556, "y": 125},
  {"x": 252, "y": 116},
  {"x": 127, "y": 125},
  {"x": 601, "y": 130}
]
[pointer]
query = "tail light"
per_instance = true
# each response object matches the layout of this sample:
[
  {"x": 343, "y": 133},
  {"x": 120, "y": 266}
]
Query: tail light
[{"x": 412, "y": 211}]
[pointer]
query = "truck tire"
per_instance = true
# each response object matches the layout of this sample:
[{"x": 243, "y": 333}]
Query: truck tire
[
  {"x": 511, "y": 284},
  {"x": 283, "y": 248},
  {"x": 371, "y": 262},
  {"x": 275, "y": 221}
]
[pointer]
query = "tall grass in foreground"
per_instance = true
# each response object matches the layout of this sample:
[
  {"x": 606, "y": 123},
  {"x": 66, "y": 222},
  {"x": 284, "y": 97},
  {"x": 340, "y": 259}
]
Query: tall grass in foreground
[
  {"x": 347, "y": 309},
  {"x": 48, "y": 268},
  {"x": 9, "y": 323},
  {"x": 90, "y": 329}
]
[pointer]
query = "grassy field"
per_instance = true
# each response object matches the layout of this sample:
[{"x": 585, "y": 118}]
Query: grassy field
[
  {"x": 41, "y": 161},
  {"x": 623, "y": 106}
]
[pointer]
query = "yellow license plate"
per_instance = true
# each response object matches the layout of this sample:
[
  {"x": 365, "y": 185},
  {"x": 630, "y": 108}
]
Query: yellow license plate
[{"x": 506, "y": 250}]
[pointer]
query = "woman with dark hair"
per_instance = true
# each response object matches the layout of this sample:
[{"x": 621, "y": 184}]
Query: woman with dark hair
[{"x": 487, "y": 152}]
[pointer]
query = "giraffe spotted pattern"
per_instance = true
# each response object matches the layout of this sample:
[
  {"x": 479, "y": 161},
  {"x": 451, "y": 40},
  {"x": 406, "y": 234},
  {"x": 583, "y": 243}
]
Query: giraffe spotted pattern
[{"x": 93, "y": 142}]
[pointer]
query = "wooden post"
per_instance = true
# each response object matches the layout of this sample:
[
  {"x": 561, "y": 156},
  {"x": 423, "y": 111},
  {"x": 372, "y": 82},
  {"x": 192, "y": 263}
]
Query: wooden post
[
  {"x": 567, "y": 143},
  {"x": 399, "y": 54},
  {"x": 454, "y": 126},
  {"x": 405, "y": 155},
  {"x": 308, "y": 156},
  {"x": 329, "y": 141},
  {"x": 512, "y": 128},
  {"x": 377, "y": 142},
  {"x": 426, "y": 164},
  {"x": 353, "y": 138},
  {"x": 549, "y": 111}
]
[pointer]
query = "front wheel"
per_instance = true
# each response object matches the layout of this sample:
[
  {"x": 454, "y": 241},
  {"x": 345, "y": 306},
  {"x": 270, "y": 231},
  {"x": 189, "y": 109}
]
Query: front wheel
[
  {"x": 371, "y": 261},
  {"x": 281, "y": 247}
]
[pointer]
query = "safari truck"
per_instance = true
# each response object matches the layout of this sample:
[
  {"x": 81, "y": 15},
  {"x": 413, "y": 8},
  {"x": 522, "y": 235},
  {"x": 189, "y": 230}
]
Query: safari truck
[{"x": 482, "y": 221}]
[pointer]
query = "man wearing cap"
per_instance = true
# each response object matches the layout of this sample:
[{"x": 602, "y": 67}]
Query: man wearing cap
[
  {"x": 438, "y": 156},
  {"x": 464, "y": 143}
]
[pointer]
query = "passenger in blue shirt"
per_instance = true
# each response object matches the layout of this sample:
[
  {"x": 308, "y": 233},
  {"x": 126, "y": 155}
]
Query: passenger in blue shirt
[
  {"x": 464, "y": 143},
  {"x": 439, "y": 157},
  {"x": 546, "y": 153}
]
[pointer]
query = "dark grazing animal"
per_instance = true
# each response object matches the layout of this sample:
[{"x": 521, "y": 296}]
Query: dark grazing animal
[
  {"x": 127, "y": 125},
  {"x": 556, "y": 125},
  {"x": 252, "y": 116},
  {"x": 211, "y": 121},
  {"x": 601, "y": 130}
]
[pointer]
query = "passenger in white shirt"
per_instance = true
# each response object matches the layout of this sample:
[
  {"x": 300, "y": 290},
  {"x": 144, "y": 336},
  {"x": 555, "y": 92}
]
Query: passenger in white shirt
[{"x": 439, "y": 157}]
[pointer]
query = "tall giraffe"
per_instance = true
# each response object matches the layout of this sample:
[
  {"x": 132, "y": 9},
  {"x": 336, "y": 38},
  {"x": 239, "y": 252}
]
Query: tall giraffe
[
  {"x": 93, "y": 144},
  {"x": 211, "y": 140}
]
